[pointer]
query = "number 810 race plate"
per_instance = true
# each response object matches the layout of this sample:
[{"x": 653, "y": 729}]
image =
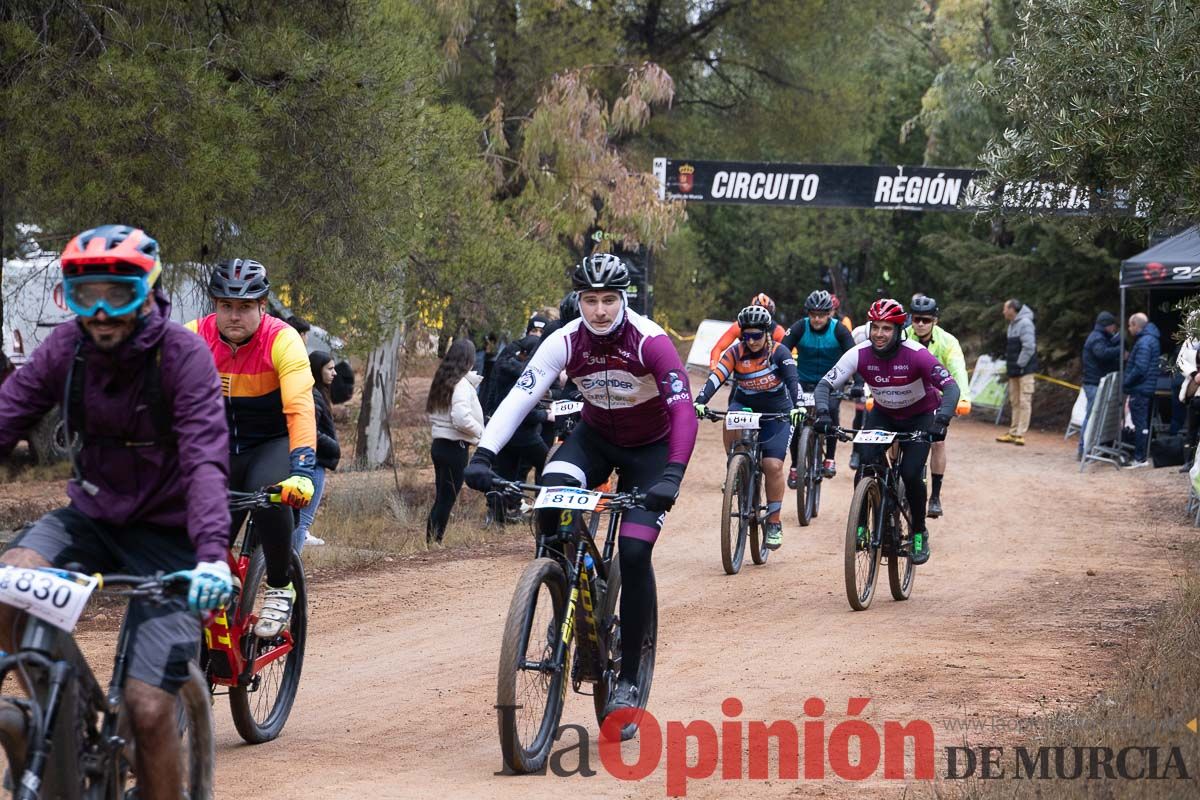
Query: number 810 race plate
[{"x": 567, "y": 497}]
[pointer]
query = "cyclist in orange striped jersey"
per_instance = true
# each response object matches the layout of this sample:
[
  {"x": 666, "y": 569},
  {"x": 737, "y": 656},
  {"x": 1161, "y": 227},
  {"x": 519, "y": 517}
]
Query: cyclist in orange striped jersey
[{"x": 267, "y": 383}]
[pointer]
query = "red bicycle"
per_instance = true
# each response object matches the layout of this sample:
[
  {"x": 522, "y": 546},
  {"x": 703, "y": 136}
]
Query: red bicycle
[{"x": 260, "y": 675}]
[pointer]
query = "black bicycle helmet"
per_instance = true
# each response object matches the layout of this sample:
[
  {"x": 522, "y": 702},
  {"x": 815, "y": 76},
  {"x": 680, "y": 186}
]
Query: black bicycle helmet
[
  {"x": 568, "y": 309},
  {"x": 756, "y": 317},
  {"x": 924, "y": 305},
  {"x": 819, "y": 300},
  {"x": 238, "y": 279},
  {"x": 600, "y": 271}
]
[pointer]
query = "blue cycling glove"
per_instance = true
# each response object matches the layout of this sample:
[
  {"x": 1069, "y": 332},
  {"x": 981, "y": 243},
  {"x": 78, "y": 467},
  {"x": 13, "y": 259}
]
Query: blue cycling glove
[{"x": 211, "y": 585}]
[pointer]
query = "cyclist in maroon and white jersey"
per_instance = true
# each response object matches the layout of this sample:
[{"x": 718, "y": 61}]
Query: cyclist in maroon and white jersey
[{"x": 637, "y": 418}]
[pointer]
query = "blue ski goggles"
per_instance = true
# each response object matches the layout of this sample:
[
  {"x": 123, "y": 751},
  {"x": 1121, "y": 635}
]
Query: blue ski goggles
[{"x": 117, "y": 295}]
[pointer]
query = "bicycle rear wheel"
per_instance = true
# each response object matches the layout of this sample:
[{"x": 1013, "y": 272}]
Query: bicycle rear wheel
[
  {"x": 610, "y": 631},
  {"x": 862, "y": 557},
  {"x": 261, "y": 707},
  {"x": 901, "y": 571},
  {"x": 735, "y": 513},
  {"x": 529, "y": 687},
  {"x": 803, "y": 484}
]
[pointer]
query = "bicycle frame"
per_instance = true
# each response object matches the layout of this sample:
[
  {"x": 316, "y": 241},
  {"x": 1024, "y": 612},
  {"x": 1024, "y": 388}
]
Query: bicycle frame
[
  {"x": 54, "y": 713},
  {"x": 887, "y": 472},
  {"x": 228, "y": 634},
  {"x": 582, "y": 601}
]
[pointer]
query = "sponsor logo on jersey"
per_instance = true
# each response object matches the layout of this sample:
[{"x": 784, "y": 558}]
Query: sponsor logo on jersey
[
  {"x": 674, "y": 382},
  {"x": 527, "y": 380},
  {"x": 589, "y": 383}
]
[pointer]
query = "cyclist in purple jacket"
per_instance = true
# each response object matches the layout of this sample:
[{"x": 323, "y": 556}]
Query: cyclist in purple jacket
[
  {"x": 637, "y": 418},
  {"x": 150, "y": 486}
]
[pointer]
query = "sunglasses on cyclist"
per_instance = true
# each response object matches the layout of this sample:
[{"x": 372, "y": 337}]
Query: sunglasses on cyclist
[
  {"x": 118, "y": 295},
  {"x": 924, "y": 320},
  {"x": 753, "y": 336}
]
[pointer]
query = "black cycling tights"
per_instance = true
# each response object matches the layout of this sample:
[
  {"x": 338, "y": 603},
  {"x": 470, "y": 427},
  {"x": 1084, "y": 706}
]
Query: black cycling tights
[
  {"x": 913, "y": 456},
  {"x": 637, "y": 601},
  {"x": 249, "y": 471}
]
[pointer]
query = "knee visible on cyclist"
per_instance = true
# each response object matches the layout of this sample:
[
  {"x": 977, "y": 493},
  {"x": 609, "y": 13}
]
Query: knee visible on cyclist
[{"x": 634, "y": 552}]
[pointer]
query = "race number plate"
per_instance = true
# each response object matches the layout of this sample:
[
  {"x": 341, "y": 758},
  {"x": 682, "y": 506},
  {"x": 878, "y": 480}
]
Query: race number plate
[
  {"x": 567, "y": 497},
  {"x": 565, "y": 408},
  {"x": 742, "y": 421},
  {"x": 807, "y": 399},
  {"x": 46, "y": 594},
  {"x": 874, "y": 437}
]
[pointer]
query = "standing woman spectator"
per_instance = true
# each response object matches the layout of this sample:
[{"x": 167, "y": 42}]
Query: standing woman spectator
[
  {"x": 329, "y": 452},
  {"x": 457, "y": 421}
]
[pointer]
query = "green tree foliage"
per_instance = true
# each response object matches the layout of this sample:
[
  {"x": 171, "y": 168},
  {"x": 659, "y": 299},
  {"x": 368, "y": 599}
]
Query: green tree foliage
[
  {"x": 1104, "y": 94},
  {"x": 315, "y": 136}
]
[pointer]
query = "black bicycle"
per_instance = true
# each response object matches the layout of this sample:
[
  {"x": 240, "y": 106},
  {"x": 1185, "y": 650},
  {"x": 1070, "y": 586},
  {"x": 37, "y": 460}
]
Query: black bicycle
[
  {"x": 69, "y": 738},
  {"x": 743, "y": 510},
  {"x": 810, "y": 446},
  {"x": 879, "y": 523},
  {"x": 571, "y": 587}
]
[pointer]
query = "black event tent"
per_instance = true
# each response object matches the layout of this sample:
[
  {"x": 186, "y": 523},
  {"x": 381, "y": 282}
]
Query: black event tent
[{"x": 1171, "y": 265}]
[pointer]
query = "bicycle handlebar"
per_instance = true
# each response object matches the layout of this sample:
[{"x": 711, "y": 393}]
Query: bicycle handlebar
[
  {"x": 617, "y": 500},
  {"x": 266, "y": 497},
  {"x": 717, "y": 416},
  {"x": 847, "y": 434}
]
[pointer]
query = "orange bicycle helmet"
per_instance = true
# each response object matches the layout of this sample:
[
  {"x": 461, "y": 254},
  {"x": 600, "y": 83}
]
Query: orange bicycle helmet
[
  {"x": 112, "y": 250},
  {"x": 764, "y": 300}
]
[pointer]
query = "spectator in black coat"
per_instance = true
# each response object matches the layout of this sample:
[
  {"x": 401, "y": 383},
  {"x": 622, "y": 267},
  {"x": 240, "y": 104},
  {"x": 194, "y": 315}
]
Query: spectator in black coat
[
  {"x": 526, "y": 448},
  {"x": 1101, "y": 355},
  {"x": 329, "y": 452}
]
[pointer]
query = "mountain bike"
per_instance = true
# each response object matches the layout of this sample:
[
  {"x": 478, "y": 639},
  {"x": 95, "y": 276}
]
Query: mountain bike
[
  {"x": 811, "y": 449},
  {"x": 69, "y": 738},
  {"x": 743, "y": 511},
  {"x": 571, "y": 587},
  {"x": 260, "y": 676},
  {"x": 879, "y": 522}
]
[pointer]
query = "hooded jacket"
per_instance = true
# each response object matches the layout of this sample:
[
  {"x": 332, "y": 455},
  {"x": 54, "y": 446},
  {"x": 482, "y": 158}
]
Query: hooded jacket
[
  {"x": 181, "y": 484},
  {"x": 1141, "y": 370},
  {"x": 1020, "y": 352},
  {"x": 1101, "y": 351}
]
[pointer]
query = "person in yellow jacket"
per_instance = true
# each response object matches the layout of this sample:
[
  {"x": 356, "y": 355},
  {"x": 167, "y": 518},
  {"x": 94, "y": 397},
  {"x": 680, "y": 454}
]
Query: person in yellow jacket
[{"x": 945, "y": 347}]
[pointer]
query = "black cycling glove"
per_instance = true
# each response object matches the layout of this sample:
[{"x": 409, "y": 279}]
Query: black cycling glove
[
  {"x": 824, "y": 422},
  {"x": 662, "y": 495},
  {"x": 478, "y": 474},
  {"x": 937, "y": 429}
]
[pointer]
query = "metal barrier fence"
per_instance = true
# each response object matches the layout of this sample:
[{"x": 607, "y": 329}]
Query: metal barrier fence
[{"x": 1102, "y": 436}]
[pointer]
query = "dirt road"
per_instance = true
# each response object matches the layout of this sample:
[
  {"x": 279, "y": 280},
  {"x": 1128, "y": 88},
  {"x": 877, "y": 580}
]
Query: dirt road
[{"x": 1005, "y": 621}]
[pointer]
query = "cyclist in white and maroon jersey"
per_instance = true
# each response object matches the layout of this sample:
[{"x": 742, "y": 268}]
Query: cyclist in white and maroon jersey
[{"x": 637, "y": 418}]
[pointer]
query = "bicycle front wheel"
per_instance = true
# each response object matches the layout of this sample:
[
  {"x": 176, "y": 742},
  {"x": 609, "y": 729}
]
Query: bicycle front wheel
[
  {"x": 262, "y": 705},
  {"x": 735, "y": 513},
  {"x": 197, "y": 753},
  {"x": 610, "y": 632},
  {"x": 803, "y": 484},
  {"x": 14, "y": 738},
  {"x": 530, "y": 686},
  {"x": 814, "y": 475},
  {"x": 758, "y": 515},
  {"x": 862, "y": 553}
]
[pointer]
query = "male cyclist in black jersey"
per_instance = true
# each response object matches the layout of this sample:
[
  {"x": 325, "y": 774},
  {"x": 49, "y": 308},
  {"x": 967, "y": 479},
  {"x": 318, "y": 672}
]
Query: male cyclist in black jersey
[
  {"x": 637, "y": 418},
  {"x": 819, "y": 342}
]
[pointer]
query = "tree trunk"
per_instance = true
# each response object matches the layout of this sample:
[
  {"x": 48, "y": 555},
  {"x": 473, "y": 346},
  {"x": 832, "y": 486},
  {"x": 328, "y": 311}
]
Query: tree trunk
[{"x": 373, "y": 444}]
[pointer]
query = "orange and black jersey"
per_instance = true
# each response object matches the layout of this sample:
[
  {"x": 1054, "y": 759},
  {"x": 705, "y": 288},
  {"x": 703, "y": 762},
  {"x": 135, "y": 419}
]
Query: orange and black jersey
[
  {"x": 764, "y": 381},
  {"x": 267, "y": 383}
]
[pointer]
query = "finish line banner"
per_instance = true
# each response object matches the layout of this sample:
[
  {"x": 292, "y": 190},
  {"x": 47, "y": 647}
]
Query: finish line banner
[{"x": 850, "y": 186}]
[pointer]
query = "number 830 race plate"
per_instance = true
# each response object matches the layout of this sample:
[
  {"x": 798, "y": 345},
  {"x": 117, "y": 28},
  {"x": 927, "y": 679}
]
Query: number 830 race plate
[{"x": 56, "y": 596}]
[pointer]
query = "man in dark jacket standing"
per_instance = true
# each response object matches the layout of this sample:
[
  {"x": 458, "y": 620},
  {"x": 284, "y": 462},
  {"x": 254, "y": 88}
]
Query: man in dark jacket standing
[
  {"x": 150, "y": 487},
  {"x": 1020, "y": 356},
  {"x": 1101, "y": 355},
  {"x": 1141, "y": 379}
]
